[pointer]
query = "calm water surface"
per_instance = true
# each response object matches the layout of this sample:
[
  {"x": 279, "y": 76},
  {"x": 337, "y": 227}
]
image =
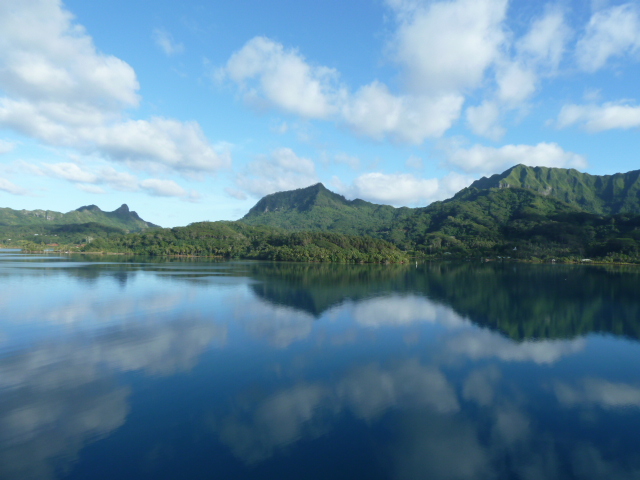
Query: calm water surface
[{"x": 118, "y": 367}]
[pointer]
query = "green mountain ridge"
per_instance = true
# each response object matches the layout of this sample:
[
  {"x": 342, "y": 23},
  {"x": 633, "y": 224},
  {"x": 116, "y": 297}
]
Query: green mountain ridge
[
  {"x": 120, "y": 218},
  {"x": 317, "y": 208},
  {"x": 598, "y": 194},
  {"x": 72, "y": 226},
  {"x": 532, "y": 210}
]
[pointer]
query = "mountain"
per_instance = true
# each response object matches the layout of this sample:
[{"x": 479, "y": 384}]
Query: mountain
[
  {"x": 121, "y": 218},
  {"x": 532, "y": 211},
  {"x": 72, "y": 227},
  {"x": 599, "y": 194},
  {"x": 317, "y": 208}
]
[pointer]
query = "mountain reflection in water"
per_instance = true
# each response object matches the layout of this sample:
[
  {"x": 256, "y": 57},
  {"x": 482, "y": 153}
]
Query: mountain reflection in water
[{"x": 129, "y": 368}]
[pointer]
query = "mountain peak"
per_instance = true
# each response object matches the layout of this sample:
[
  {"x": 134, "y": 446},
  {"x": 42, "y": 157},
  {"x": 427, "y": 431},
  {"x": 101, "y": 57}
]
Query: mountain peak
[
  {"x": 599, "y": 194},
  {"x": 301, "y": 199},
  {"x": 124, "y": 208},
  {"x": 89, "y": 208}
]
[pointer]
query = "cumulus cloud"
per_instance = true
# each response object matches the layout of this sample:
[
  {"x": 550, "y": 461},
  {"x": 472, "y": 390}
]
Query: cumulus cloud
[
  {"x": 12, "y": 188},
  {"x": 599, "y": 392},
  {"x": 597, "y": 118},
  {"x": 484, "y": 120},
  {"x": 611, "y": 32},
  {"x": 445, "y": 50},
  {"x": 90, "y": 179},
  {"x": 121, "y": 181},
  {"x": 59, "y": 397},
  {"x": 536, "y": 54},
  {"x": 545, "y": 42},
  {"x": 402, "y": 188},
  {"x": 308, "y": 410},
  {"x": 271, "y": 76},
  {"x": 279, "y": 326},
  {"x": 69, "y": 171},
  {"x": 281, "y": 170},
  {"x": 268, "y": 72},
  {"x": 62, "y": 91},
  {"x": 374, "y": 111},
  {"x": 402, "y": 310},
  {"x": 480, "y": 385},
  {"x": 485, "y": 344},
  {"x": 447, "y": 46},
  {"x": 165, "y": 41},
  {"x": 490, "y": 159},
  {"x": 163, "y": 188}
]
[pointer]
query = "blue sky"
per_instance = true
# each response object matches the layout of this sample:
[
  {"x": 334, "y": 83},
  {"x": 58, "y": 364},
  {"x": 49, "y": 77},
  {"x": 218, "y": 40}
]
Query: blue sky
[{"x": 193, "y": 110}]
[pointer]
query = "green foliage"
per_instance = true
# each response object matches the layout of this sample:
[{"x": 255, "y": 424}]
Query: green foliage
[
  {"x": 45, "y": 226},
  {"x": 524, "y": 221},
  {"x": 598, "y": 194},
  {"x": 238, "y": 240}
]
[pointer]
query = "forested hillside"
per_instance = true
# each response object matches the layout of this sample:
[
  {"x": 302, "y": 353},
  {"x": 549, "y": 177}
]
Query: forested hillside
[
  {"x": 523, "y": 213},
  {"x": 76, "y": 226},
  {"x": 237, "y": 240}
]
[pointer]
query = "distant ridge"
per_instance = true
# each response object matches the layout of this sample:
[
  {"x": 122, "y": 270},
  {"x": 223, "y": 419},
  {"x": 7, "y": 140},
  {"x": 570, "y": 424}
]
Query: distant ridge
[
  {"x": 87, "y": 220},
  {"x": 599, "y": 194},
  {"x": 536, "y": 206},
  {"x": 317, "y": 208}
]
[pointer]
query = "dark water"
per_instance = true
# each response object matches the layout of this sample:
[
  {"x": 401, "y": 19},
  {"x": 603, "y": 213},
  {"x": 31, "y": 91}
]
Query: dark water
[{"x": 121, "y": 368}]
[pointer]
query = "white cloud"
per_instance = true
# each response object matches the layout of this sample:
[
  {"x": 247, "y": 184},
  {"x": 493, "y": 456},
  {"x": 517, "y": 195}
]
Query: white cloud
[
  {"x": 370, "y": 390},
  {"x": 12, "y": 188},
  {"x": 596, "y": 391},
  {"x": 490, "y": 159},
  {"x": 122, "y": 181},
  {"x": 402, "y": 311},
  {"x": 71, "y": 399},
  {"x": 268, "y": 72},
  {"x": 536, "y": 54},
  {"x": 60, "y": 90},
  {"x": 374, "y": 111},
  {"x": 167, "y": 143},
  {"x": 166, "y": 42},
  {"x": 282, "y": 170},
  {"x": 163, "y": 188},
  {"x": 90, "y": 179},
  {"x": 484, "y": 120},
  {"x": 47, "y": 57},
  {"x": 447, "y": 46},
  {"x": 595, "y": 118},
  {"x": 480, "y": 385},
  {"x": 74, "y": 173},
  {"x": 545, "y": 42},
  {"x": 402, "y": 188},
  {"x": 279, "y": 326},
  {"x": 256, "y": 431},
  {"x": 69, "y": 171},
  {"x": 612, "y": 32},
  {"x": 485, "y": 344},
  {"x": 271, "y": 76},
  {"x": 516, "y": 83}
]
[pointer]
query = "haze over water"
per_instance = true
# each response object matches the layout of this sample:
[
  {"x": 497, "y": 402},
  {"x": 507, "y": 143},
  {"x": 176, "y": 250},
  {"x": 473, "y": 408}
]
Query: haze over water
[{"x": 125, "y": 367}]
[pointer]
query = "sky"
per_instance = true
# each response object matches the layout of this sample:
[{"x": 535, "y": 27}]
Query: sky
[{"x": 193, "y": 110}]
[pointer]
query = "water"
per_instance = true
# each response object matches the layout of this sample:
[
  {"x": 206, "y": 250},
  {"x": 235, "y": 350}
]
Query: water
[{"x": 122, "y": 367}]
